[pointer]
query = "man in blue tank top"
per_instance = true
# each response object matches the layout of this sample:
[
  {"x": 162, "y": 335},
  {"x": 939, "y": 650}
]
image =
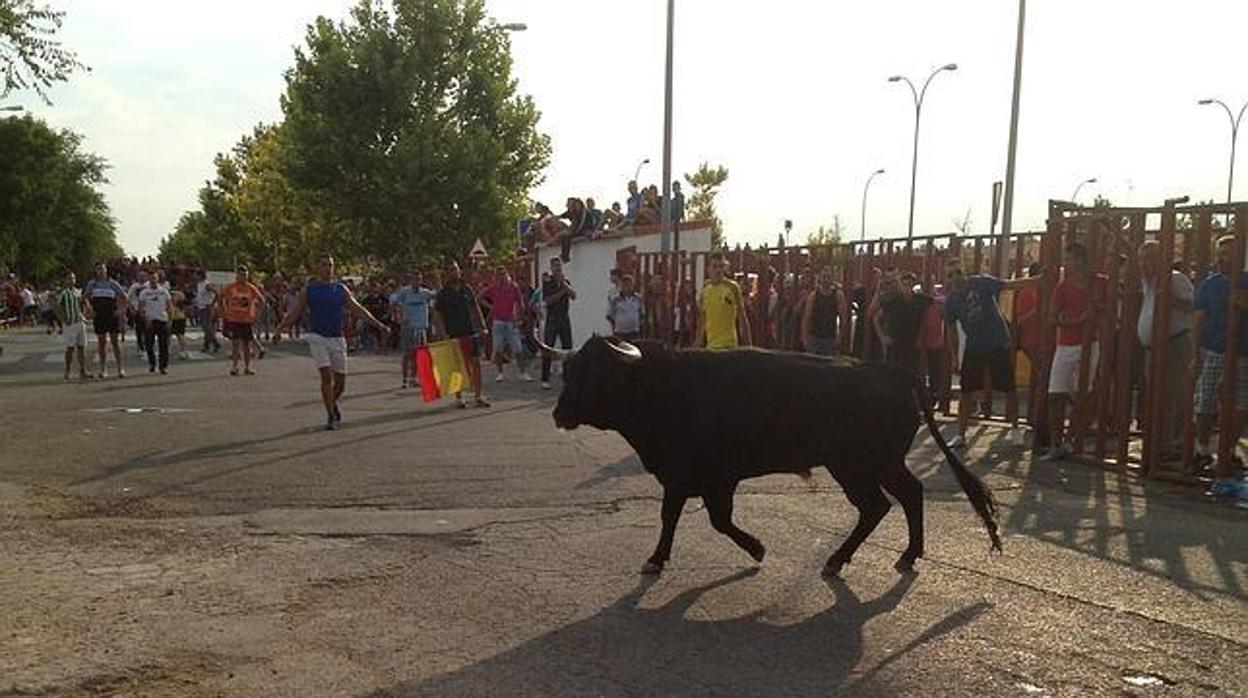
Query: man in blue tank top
[{"x": 326, "y": 301}]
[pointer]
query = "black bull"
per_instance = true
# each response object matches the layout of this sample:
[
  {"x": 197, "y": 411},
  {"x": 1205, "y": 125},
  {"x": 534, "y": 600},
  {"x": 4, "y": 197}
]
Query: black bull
[{"x": 703, "y": 421}]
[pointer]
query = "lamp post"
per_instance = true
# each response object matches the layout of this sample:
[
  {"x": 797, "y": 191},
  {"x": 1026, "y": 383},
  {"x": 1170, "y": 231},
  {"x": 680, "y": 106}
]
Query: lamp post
[
  {"x": 637, "y": 172},
  {"x": 1230, "y": 177},
  {"x": 665, "y": 222},
  {"x": 862, "y": 231},
  {"x": 918, "y": 109},
  {"x": 1075, "y": 197}
]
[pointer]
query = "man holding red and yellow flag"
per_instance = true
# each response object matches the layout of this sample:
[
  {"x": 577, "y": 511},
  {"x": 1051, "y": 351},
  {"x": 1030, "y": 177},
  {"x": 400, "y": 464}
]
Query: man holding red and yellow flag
[{"x": 458, "y": 317}]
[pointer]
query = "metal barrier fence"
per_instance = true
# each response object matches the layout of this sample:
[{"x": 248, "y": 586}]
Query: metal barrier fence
[{"x": 1121, "y": 417}]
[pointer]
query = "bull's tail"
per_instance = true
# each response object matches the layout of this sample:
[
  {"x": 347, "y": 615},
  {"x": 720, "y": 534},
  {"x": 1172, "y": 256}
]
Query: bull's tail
[{"x": 975, "y": 489}]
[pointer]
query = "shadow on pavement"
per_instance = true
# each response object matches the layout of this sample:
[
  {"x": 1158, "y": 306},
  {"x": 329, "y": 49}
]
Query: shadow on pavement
[
  {"x": 629, "y": 466},
  {"x": 1068, "y": 504},
  {"x": 245, "y": 447},
  {"x": 669, "y": 651}
]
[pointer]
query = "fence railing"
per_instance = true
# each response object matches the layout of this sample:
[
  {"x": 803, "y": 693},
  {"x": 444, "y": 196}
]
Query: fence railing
[{"x": 1122, "y": 419}]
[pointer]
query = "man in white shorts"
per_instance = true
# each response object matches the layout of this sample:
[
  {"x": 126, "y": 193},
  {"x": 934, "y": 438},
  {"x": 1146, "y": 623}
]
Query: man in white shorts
[
  {"x": 326, "y": 300},
  {"x": 1078, "y": 300},
  {"x": 68, "y": 309}
]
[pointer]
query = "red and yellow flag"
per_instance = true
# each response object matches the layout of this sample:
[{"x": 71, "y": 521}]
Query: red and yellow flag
[{"x": 440, "y": 368}]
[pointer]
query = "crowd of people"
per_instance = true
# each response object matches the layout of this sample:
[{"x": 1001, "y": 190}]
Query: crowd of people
[
  {"x": 582, "y": 218},
  {"x": 496, "y": 317}
]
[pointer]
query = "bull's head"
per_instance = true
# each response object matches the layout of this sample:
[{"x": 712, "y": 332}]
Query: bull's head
[{"x": 599, "y": 380}]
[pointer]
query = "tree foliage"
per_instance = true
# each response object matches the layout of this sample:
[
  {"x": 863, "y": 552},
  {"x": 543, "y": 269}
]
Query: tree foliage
[
  {"x": 831, "y": 234},
  {"x": 52, "y": 214},
  {"x": 29, "y": 57},
  {"x": 403, "y": 137},
  {"x": 706, "y": 181}
]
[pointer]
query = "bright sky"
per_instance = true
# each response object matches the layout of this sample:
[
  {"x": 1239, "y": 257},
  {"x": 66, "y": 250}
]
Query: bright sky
[{"x": 790, "y": 95}]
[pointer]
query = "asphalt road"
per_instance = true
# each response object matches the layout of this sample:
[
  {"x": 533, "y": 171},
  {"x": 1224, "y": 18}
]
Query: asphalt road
[{"x": 199, "y": 534}]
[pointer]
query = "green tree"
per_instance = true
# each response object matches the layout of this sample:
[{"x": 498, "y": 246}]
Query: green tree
[
  {"x": 706, "y": 181},
  {"x": 29, "y": 57},
  {"x": 828, "y": 235},
  {"x": 52, "y": 214},
  {"x": 248, "y": 212},
  {"x": 404, "y": 132}
]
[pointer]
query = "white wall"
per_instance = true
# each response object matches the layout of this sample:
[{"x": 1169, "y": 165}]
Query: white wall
[{"x": 590, "y": 269}]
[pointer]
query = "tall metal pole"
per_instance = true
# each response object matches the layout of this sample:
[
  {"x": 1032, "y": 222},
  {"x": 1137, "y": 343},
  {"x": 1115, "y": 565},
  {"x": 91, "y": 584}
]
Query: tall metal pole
[
  {"x": 1230, "y": 176},
  {"x": 665, "y": 225},
  {"x": 862, "y": 231},
  {"x": 1007, "y": 215},
  {"x": 918, "y": 111}
]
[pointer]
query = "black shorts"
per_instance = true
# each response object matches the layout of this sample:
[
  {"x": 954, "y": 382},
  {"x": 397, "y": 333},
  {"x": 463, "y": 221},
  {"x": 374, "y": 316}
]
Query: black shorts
[
  {"x": 178, "y": 327},
  {"x": 105, "y": 323},
  {"x": 995, "y": 362},
  {"x": 239, "y": 331}
]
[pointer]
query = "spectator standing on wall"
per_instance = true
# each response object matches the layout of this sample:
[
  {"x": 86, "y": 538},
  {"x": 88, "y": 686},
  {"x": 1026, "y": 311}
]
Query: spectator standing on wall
[{"x": 678, "y": 204}]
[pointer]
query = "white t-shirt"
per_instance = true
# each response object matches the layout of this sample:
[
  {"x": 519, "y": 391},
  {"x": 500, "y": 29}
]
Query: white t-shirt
[
  {"x": 1180, "y": 320},
  {"x": 205, "y": 295},
  {"x": 28, "y": 297},
  {"x": 154, "y": 302}
]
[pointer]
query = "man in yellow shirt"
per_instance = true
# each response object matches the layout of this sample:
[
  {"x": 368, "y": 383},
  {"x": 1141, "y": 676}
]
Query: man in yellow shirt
[{"x": 721, "y": 309}]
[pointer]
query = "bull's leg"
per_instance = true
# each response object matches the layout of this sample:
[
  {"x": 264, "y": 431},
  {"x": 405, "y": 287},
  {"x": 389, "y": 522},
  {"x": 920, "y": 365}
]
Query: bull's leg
[
  {"x": 872, "y": 505},
  {"x": 673, "y": 504},
  {"x": 719, "y": 507},
  {"x": 909, "y": 492}
]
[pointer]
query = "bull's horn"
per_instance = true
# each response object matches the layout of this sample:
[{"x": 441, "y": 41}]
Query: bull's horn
[
  {"x": 560, "y": 354},
  {"x": 627, "y": 351}
]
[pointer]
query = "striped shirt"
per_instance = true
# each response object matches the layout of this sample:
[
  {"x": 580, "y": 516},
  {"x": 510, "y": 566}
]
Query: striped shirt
[{"x": 69, "y": 300}]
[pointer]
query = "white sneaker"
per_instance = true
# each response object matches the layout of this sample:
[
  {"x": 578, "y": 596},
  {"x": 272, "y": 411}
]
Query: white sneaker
[
  {"x": 545, "y": 385},
  {"x": 958, "y": 441},
  {"x": 499, "y": 377},
  {"x": 526, "y": 378}
]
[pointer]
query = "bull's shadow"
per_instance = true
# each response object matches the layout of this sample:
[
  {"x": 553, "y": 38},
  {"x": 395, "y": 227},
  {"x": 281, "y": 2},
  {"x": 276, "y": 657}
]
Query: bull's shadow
[
  {"x": 628, "y": 466},
  {"x": 669, "y": 651}
]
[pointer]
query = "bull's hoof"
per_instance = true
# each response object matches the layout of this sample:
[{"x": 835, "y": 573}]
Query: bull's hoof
[
  {"x": 833, "y": 568},
  {"x": 651, "y": 567},
  {"x": 905, "y": 566}
]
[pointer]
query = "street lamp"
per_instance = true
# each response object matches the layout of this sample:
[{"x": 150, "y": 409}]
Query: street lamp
[
  {"x": 918, "y": 108},
  {"x": 665, "y": 220},
  {"x": 637, "y": 172},
  {"x": 1230, "y": 177},
  {"x": 862, "y": 232},
  {"x": 15, "y": 107},
  {"x": 1075, "y": 197},
  {"x": 513, "y": 27}
]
